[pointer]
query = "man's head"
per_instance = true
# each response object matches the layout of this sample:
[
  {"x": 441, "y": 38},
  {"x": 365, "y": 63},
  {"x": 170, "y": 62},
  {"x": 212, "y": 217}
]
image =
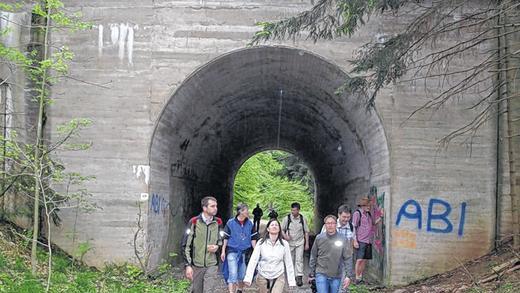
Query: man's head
[
  {"x": 242, "y": 210},
  {"x": 295, "y": 209},
  {"x": 344, "y": 215},
  {"x": 257, "y": 205},
  {"x": 209, "y": 206},
  {"x": 364, "y": 204},
  {"x": 330, "y": 224}
]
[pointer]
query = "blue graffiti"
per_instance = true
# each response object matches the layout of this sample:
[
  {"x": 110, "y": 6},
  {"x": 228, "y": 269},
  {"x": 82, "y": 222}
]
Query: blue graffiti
[
  {"x": 440, "y": 219},
  {"x": 416, "y": 215},
  {"x": 159, "y": 205},
  {"x": 462, "y": 218}
]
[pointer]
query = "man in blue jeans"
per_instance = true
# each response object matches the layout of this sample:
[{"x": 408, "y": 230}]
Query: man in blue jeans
[
  {"x": 331, "y": 259},
  {"x": 239, "y": 236}
]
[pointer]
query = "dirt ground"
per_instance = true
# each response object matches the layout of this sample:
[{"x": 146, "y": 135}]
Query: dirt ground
[{"x": 469, "y": 277}]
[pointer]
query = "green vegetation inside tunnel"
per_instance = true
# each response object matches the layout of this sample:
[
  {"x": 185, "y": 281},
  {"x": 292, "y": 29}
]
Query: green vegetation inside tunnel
[{"x": 275, "y": 179}]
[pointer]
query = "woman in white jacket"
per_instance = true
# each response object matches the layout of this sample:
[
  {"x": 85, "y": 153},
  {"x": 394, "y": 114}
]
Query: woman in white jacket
[{"x": 271, "y": 258}]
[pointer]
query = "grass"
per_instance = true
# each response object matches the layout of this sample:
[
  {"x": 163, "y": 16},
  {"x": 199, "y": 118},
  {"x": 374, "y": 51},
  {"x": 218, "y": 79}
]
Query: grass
[{"x": 16, "y": 276}]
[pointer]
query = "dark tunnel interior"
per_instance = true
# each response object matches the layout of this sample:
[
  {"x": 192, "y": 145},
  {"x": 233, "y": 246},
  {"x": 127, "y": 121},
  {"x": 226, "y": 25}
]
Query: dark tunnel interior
[{"x": 229, "y": 110}]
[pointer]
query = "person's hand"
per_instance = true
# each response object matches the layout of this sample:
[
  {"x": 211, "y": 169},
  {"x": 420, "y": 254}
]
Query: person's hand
[
  {"x": 346, "y": 283},
  {"x": 223, "y": 256},
  {"x": 248, "y": 284},
  {"x": 306, "y": 246},
  {"x": 382, "y": 211},
  {"x": 212, "y": 248},
  {"x": 189, "y": 273},
  {"x": 356, "y": 244}
]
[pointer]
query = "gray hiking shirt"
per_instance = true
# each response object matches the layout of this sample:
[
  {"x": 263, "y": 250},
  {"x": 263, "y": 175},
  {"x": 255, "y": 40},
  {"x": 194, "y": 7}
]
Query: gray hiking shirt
[{"x": 328, "y": 253}]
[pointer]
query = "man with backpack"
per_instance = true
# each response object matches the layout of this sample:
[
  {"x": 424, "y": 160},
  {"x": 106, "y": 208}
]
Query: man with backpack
[
  {"x": 296, "y": 232},
  {"x": 364, "y": 229},
  {"x": 272, "y": 214},
  {"x": 200, "y": 244}
]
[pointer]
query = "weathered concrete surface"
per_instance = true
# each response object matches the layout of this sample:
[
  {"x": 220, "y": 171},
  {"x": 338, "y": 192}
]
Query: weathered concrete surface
[
  {"x": 166, "y": 134},
  {"x": 16, "y": 109}
]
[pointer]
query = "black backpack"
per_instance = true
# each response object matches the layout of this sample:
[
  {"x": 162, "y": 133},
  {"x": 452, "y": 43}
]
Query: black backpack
[
  {"x": 289, "y": 222},
  {"x": 359, "y": 222}
]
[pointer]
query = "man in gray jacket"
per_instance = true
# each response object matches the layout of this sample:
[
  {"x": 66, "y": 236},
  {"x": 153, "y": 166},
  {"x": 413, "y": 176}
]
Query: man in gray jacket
[{"x": 331, "y": 259}]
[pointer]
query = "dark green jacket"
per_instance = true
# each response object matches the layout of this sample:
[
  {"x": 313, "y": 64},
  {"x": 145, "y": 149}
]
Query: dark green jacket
[{"x": 196, "y": 239}]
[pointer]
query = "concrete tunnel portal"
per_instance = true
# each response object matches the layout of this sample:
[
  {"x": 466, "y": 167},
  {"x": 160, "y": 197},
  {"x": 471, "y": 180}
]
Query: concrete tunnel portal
[{"x": 228, "y": 110}]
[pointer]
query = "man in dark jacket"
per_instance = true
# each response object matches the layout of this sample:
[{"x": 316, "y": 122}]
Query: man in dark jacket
[
  {"x": 200, "y": 244},
  {"x": 257, "y": 213}
]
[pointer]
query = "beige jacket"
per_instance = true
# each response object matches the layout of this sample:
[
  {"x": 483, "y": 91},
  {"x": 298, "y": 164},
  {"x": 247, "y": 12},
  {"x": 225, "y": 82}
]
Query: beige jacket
[{"x": 271, "y": 260}]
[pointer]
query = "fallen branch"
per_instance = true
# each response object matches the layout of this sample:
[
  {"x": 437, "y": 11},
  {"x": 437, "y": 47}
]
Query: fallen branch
[
  {"x": 498, "y": 270},
  {"x": 467, "y": 272},
  {"x": 512, "y": 269},
  {"x": 505, "y": 265}
]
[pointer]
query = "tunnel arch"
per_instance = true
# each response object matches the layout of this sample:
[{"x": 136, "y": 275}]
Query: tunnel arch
[{"x": 228, "y": 109}]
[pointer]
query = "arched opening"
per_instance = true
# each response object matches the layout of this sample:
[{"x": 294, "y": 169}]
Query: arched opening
[
  {"x": 274, "y": 179},
  {"x": 230, "y": 108}
]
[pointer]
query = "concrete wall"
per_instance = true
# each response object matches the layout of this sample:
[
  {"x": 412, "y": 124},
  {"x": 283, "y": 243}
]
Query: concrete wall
[
  {"x": 17, "y": 110},
  {"x": 162, "y": 43}
]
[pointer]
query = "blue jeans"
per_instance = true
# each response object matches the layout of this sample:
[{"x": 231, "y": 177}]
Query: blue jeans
[
  {"x": 237, "y": 271},
  {"x": 326, "y": 284}
]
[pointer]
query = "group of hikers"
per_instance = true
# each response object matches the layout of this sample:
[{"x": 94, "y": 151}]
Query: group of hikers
[{"x": 277, "y": 255}]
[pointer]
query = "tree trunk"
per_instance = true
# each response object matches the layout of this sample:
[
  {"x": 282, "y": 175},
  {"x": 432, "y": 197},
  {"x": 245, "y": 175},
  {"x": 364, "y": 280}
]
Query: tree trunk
[{"x": 42, "y": 99}]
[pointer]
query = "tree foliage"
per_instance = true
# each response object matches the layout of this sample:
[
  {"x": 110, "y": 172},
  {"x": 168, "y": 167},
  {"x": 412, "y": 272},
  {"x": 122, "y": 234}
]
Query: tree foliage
[
  {"x": 412, "y": 52},
  {"x": 263, "y": 179}
]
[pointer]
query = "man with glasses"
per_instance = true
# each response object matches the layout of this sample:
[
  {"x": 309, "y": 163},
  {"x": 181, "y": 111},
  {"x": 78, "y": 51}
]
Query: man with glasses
[{"x": 331, "y": 259}]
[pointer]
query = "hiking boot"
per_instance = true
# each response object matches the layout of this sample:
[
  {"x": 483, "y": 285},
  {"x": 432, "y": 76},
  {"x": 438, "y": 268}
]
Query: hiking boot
[{"x": 299, "y": 281}]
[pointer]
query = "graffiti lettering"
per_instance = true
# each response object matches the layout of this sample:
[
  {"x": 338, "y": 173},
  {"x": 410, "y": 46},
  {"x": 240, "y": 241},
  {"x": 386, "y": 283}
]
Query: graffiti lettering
[
  {"x": 417, "y": 214},
  {"x": 440, "y": 217},
  {"x": 378, "y": 211},
  {"x": 437, "y": 220},
  {"x": 159, "y": 205}
]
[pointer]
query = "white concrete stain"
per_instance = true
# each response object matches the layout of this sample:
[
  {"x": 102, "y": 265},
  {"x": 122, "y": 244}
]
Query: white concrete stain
[
  {"x": 123, "y": 32},
  {"x": 142, "y": 170},
  {"x": 114, "y": 33},
  {"x": 100, "y": 39},
  {"x": 121, "y": 35},
  {"x": 130, "y": 44}
]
